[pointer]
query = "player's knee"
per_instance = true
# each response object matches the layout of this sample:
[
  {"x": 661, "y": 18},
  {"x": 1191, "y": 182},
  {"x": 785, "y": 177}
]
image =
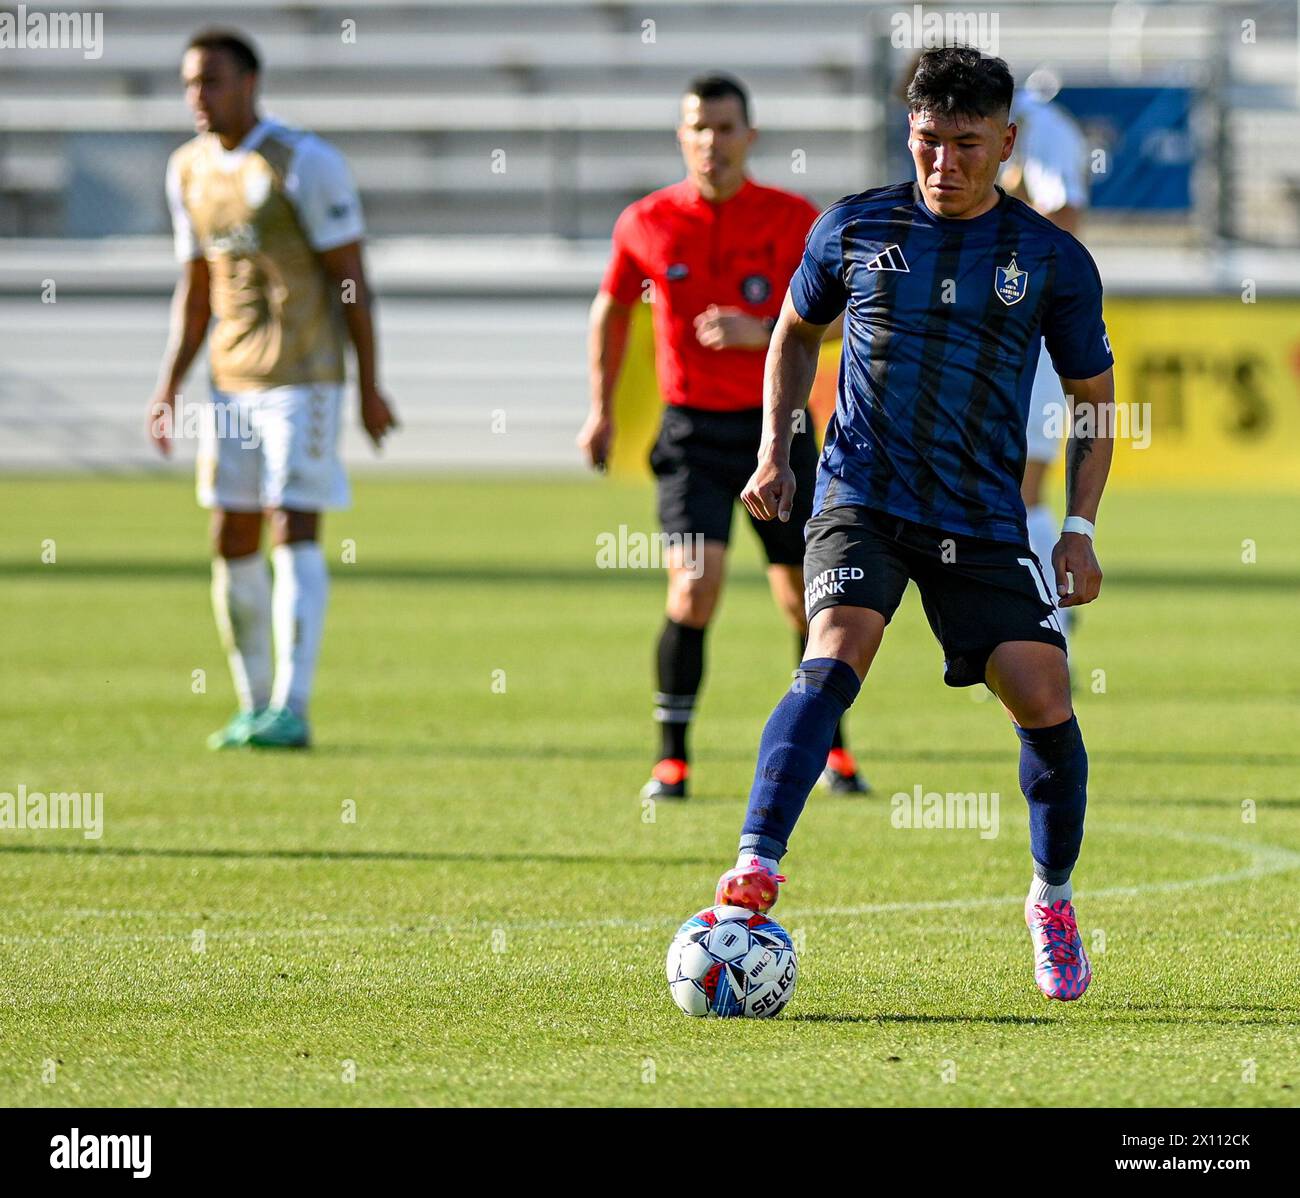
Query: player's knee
[
  {"x": 692, "y": 601},
  {"x": 1036, "y": 698},
  {"x": 1044, "y": 707},
  {"x": 845, "y": 635},
  {"x": 788, "y": 593},
  {"x": 288, "y": 526},
  {"x": 236, "y": 534},
  {"x": 856, "y": 655}
]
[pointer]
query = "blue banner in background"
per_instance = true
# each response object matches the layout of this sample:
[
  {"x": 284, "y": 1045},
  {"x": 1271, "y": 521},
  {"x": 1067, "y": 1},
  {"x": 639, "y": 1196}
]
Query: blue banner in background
[{"x": 1147, "y": 138}]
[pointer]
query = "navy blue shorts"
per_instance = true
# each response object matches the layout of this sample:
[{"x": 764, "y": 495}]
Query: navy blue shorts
[{"x": 977, "y": 593}]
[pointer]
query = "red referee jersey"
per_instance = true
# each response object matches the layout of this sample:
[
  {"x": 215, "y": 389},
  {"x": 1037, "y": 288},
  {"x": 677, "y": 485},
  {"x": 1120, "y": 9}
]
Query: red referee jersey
[{"x": 737, "y": 254}]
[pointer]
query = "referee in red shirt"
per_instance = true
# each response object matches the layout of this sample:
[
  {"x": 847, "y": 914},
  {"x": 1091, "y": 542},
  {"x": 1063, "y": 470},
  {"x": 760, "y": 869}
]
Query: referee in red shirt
[{"x": 714, "y": 254}]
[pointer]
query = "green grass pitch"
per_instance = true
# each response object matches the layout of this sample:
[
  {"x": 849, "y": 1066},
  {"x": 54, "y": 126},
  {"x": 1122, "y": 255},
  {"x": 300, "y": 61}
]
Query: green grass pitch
[{"x": 491, "y": 927}]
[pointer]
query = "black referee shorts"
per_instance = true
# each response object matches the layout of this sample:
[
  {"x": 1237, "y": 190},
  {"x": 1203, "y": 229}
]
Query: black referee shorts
[
  {"x": 977, "y": 593},
  {"x": 702, "y": 461}
]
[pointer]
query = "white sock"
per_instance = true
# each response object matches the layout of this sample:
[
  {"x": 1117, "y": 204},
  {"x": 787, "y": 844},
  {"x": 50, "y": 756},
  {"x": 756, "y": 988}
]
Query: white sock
[
  {"x": 1043, "y": 535},
  {"x": 241, "y": 601},
  {"x": 301, "y": 587},
  {"x": 1047, "y": 894},
  {"x": 748, "y": 857}
]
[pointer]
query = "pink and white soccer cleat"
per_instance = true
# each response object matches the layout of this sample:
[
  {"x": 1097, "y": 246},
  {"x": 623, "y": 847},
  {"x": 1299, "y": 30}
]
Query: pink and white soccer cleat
[
  {"x": 751, "y": 886},
  {"x": 1061, "y": 967}
]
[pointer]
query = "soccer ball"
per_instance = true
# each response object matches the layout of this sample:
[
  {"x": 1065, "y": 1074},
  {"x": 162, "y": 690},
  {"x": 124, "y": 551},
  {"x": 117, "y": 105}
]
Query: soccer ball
[{"x": 730, "y": 962}]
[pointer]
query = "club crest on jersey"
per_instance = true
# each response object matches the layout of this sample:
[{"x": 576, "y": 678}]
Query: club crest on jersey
[
  {"x": 1010, "y": 283},
  {"x": 677, "y": 271},
  {"x": 755, "y": 288}
]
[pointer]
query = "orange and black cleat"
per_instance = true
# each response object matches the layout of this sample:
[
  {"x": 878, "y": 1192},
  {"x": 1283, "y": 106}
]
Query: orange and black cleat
[
  {"x": 667, "y": 780},
  {"x": 841, "y": 775}
]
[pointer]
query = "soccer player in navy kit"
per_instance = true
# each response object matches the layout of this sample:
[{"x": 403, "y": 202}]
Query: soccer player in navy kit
[{"x": 949, "y": 285}]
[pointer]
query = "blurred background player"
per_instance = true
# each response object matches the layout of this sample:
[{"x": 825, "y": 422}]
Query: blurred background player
[
  {"x": 1048, "y": 169},
  {"x": 714, "y": 253},
  {"x": 268, "y": 228}
]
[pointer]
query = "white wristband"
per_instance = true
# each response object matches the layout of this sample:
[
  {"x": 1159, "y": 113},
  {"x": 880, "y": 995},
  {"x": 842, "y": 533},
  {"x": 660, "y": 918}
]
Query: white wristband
[{"x": 1078, "y": 524}]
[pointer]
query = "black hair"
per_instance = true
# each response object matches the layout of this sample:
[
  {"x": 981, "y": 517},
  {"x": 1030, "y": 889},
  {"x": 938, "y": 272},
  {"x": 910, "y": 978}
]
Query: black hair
[
  {"x": 718, "y": 87},
  {"x": 954, "y": 81},
  {"x": 227, "y": 40}
]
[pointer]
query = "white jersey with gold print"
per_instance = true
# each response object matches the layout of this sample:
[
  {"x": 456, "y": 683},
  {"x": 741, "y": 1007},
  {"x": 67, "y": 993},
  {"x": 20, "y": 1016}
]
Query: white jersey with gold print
[{"x": 260, "y": 214}]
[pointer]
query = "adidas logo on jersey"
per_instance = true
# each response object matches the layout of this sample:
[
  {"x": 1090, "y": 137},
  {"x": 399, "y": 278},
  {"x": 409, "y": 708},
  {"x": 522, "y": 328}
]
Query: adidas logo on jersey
[{"x": 890, "y": 258}]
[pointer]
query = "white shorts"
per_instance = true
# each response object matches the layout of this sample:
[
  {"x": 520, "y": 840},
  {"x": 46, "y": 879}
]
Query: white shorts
[
  {"x": 1048, "y": 412},
  {"x": 273, "y": 449}
]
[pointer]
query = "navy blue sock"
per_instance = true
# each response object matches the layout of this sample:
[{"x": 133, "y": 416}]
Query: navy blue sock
[
  {"x": 1054, "y": 777},
  {"x": 792, "y": 753},
  {"x": 837, "y": 741}
]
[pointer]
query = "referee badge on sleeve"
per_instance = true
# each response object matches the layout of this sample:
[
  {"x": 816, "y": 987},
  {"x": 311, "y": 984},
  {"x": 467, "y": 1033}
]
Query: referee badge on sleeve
[{"x": 1010, "y": 283}]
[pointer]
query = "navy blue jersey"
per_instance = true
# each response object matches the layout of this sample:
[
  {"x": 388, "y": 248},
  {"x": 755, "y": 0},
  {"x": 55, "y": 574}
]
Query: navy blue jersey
[{"x": 941, "y": 340}]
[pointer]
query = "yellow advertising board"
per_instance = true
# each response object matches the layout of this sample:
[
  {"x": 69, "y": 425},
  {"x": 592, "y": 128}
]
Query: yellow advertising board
[
  {"x": 1208, "y": 391},
  {"x": 1222, "y": 381}
]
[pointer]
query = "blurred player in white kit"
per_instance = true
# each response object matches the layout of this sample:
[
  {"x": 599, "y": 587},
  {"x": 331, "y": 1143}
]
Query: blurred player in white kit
[{"x": 1048, "y": 169}]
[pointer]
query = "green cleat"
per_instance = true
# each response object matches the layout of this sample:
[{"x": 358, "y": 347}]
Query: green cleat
[
  {"x": 235, "y": 734},
  {"x": 279, "y": 728}
]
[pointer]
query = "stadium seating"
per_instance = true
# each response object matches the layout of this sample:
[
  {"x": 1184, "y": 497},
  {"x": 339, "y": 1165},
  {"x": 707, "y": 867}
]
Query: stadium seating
[
  {"x": 577, "y": 99},
  {"x": 579, "y": 94}
]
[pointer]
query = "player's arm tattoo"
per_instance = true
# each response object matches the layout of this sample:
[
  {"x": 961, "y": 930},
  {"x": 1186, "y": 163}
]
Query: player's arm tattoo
[
  {"x": 1081, "y": 445},
  {"x": 1091, "y": 444}
]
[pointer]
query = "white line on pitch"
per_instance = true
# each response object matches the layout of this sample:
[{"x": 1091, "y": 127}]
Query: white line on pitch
[{"x": 1266, "y": 861}]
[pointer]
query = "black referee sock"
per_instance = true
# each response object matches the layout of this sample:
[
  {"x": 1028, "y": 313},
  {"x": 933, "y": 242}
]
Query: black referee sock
[
  {"x": 837, "y": 740},
  {"x": 680, "y": 659}
]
